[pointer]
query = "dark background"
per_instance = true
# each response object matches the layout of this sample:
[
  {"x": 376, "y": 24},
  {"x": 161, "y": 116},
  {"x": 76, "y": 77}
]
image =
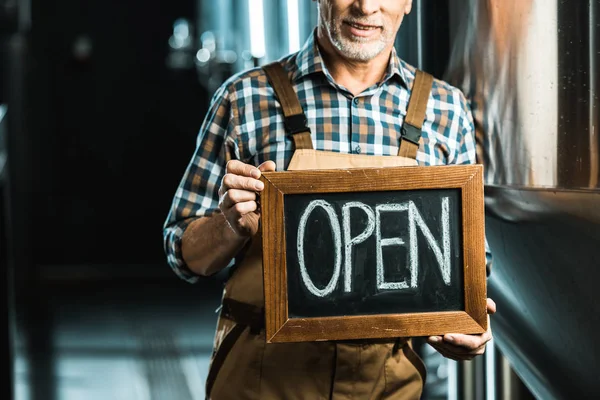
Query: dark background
[
  {"x": 98, "y": 132},
  {"x": 111, "y": 132}
]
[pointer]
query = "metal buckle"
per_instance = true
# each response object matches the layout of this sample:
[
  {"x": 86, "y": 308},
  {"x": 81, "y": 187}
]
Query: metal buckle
[
  {"x": 411, "y": 134},
  {"x": 295, "y": 124}
]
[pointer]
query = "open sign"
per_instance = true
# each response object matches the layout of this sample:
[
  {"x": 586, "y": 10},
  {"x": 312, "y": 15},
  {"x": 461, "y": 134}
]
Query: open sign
[{"x": 373, "y": 253}]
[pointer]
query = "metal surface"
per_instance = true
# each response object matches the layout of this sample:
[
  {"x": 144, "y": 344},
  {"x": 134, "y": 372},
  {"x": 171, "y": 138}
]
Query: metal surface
[
  {"x": 544, "y": 280},
  {"x": 490, "y": 377},
  {"x": 230, "y": 34},
  {"x": 3, "y": 124},
  {"x": 19, "y": 194},
  {"x": 529, "y": 69},
  {"x": 7, "y": 275},
  {"x": 8, "y": 16}
]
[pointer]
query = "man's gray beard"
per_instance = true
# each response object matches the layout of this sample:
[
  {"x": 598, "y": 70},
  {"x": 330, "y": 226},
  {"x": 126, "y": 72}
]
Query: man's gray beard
[{"x": 353, "y": 49}]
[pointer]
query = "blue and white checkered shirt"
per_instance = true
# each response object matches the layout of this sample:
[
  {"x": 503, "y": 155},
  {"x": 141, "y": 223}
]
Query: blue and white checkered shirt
[{"x": 245, "y": 122}]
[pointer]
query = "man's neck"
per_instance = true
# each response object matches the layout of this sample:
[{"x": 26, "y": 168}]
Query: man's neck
[{"x": 356, "y": 76}]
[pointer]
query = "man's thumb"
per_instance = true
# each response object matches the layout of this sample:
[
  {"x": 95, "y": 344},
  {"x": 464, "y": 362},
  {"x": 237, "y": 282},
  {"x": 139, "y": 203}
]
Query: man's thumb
[{"x": 267, "y": 166}]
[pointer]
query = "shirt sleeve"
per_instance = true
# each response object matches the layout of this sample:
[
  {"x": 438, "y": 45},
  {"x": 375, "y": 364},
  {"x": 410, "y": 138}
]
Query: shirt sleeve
[
  {"x": 197, "y": 195},
  {"x": 466, "y": 147},
  {"x": 466, "y": 154}
]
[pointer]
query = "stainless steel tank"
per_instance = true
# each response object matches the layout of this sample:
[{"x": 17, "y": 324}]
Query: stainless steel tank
[{"x": 530, "y": 71}]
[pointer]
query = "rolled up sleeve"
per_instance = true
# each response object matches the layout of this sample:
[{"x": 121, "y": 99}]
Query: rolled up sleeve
[{"x": 197, "y": 194}]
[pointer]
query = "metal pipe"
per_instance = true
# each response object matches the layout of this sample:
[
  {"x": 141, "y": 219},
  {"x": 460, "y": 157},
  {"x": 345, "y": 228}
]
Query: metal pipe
[
  {"x": 490, "y": 371},
  {"x": 420, "y": 34},
  {"x": 453, "y": 380},
  {"x": 593, "y": 95},
  {"x": 7, "y": 281}
]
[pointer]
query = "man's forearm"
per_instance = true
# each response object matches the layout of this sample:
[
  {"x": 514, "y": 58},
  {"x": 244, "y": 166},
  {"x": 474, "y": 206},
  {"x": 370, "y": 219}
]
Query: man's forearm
[{"x": 208, "y": 244}]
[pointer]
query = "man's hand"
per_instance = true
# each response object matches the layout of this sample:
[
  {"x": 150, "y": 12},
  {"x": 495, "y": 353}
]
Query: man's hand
[
  {"x": 464, "y": 347},
  {"x": 238, "y": 193}
]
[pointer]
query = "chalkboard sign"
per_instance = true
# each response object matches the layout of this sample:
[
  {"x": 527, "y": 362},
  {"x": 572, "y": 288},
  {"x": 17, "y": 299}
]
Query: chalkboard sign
[{"x": 373, "y": 253}]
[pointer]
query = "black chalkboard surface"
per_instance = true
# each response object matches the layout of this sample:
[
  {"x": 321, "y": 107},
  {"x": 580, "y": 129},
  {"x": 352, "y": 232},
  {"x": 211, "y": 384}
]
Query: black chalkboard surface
[
  {"x": 342, "y": 254},
  {"x": 373, "y": 253}
]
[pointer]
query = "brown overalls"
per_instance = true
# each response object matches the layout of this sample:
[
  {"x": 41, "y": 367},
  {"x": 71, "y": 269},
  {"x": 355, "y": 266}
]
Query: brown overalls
[{"x": 244, "y": 366}]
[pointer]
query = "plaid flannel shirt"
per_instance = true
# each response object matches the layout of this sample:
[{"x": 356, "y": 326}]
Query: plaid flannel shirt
[{"x": 245, "y": 122}]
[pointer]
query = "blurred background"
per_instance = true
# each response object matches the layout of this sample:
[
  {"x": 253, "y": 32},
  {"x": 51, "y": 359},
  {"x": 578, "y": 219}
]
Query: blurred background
[{"x": 100, "y": 105}]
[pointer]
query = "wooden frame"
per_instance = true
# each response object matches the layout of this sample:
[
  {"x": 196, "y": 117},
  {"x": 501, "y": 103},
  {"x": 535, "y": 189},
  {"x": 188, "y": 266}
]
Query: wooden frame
[{"x": 281, "y": 328}]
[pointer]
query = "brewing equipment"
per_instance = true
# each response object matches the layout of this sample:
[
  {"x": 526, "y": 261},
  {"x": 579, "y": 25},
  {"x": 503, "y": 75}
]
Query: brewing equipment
[{"x": 530, "y": 71}]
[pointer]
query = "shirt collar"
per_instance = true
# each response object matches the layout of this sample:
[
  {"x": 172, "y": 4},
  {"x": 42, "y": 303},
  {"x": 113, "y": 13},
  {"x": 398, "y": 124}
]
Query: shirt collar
[
  {"x": 395, "y": 68},
  {"x": 309, "y": 61}
]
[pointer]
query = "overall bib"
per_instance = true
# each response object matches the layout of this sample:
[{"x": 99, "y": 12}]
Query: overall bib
[{"x": 244, "y": 366}]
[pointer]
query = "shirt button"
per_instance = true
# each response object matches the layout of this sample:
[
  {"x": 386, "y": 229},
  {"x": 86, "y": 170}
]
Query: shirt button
[
  {"x": 356, "y": 101},
  {"x": 357, "y": 150}
]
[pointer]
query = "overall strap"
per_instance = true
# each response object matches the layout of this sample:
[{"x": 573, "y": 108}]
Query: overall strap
[
  {"x": 415, "y": 115},
  {"x": 294, "y": 118}
]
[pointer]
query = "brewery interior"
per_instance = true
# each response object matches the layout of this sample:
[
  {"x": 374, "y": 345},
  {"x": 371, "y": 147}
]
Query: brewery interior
[{"x": 100, "y": 107}]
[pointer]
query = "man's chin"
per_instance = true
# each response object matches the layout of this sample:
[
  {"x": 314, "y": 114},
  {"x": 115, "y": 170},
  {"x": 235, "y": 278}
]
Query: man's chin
[{"x": 363, "y": 52}]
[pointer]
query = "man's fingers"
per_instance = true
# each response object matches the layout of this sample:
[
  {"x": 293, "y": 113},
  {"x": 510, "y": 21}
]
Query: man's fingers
[
  {"x": 236, "y": 167},
  {"x": 469, "y": 342},
  {"x": 238, "y": 195},
  {"x": 244, "y": 176},
  {"x": 234, "y": 196},
  {"x": 267, "y": 166},
  {"x": 456, "y": 352},
  {"x": 241, "y": 209},
  {"x": 452, "y": 352},
  {"x": 232, "y": 181},
  {"x": 464, "y": 347},
  {"x": 461, "y": 351},
  {"x": 439, "y": 343},
  {"x": 443, "y": 352},
  {"x": 491, "y": 306}
]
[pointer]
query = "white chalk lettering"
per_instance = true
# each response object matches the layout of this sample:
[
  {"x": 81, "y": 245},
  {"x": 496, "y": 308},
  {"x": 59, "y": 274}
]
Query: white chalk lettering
[
  {"x": 442, "y": 256},
  {"x": 415, "y": 220},
  {"x": 350, "y": 241},
  {"x": 441, "y": 249},
  {"x": 334, "y": 223},
  {"x": 380, "y": 243}
]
